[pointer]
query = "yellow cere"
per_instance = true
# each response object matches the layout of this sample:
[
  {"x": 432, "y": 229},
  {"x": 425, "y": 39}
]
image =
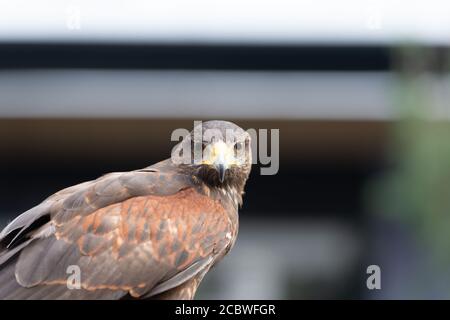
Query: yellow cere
[{"x": 219, "y": 153}]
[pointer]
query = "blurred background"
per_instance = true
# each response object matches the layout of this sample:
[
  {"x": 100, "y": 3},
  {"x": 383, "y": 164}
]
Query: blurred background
[{"x": 358, "y": 89}]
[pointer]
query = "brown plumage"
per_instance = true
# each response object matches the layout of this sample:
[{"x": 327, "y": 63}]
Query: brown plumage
[{"x": 150, "y": 233}]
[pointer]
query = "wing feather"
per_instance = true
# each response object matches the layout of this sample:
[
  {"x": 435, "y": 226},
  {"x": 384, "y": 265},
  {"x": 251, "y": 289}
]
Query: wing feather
[{"x": 127, "y": 236}]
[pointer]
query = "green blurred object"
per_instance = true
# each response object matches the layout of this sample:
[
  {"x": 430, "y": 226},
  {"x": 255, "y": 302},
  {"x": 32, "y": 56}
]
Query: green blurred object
[{"x": 416, "y": 191}]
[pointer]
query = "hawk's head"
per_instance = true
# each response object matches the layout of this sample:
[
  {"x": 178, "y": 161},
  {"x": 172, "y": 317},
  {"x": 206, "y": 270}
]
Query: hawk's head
[{"x": 219, "y": 152}]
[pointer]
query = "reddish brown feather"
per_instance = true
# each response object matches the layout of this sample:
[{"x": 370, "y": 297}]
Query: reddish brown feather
[{"x": 179, "y": 230}]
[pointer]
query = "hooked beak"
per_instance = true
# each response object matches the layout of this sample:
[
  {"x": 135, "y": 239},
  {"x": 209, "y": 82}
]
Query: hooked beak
[
  {"x": 221, "y": 169},
  {"x": 221, "y": 157},
  {"x": 221, "y": 162}
]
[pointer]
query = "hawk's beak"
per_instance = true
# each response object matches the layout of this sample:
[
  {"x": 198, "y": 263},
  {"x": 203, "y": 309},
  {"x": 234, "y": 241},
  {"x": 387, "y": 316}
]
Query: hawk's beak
[
  {"x": 221, "y": 170},
  {"x": 221, "y": 161},
  {"x": 221, "y": 157}
]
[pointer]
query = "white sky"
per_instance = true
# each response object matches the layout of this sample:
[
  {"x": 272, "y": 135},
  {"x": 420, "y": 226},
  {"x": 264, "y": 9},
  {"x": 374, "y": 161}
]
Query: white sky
[{"x": 227, "y": 20}]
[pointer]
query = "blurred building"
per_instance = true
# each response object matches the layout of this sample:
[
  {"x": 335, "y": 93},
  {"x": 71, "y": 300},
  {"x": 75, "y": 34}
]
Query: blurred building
[{"x": 82, "y": 95}]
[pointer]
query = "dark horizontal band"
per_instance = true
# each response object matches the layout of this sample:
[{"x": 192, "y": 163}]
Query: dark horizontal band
[{"x": 195, "y": 57}]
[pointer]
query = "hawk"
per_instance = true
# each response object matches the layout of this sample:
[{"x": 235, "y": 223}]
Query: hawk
[{"x": 151, "y": 233}]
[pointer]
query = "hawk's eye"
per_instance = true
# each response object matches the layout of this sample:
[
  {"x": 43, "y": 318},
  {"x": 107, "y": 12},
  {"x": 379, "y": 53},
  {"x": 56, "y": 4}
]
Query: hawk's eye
[{"x": 238, "y": 146}]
